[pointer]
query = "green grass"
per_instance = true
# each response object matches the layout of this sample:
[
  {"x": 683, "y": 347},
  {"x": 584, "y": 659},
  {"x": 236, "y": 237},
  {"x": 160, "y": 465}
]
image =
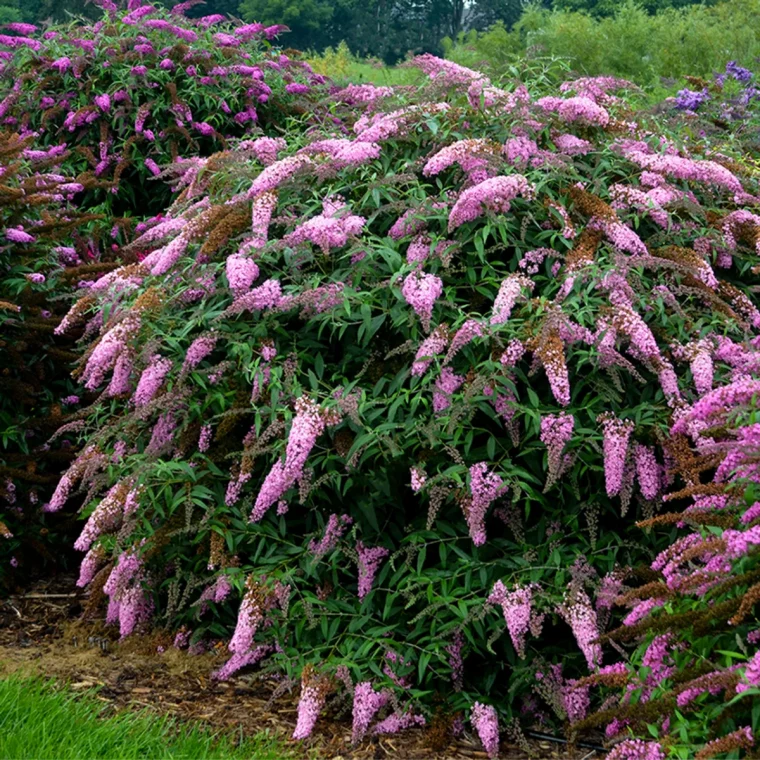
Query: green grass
[
  {"x": 343, "y": 67},
  {"x": 359, "y": 72},
  {"x": 41, "y": 721}
]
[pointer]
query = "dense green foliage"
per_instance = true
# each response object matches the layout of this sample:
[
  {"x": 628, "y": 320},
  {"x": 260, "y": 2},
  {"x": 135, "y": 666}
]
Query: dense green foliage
[
  {"x": 696, "y": 40},
  {"x": 609, "y": 7}
]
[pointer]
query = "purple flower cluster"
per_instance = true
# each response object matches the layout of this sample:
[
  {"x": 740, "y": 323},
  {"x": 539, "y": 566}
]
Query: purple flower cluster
[
  {"x": 471, "y": 155},
  {"x": 579, "y": 614},
  {"x": 648, "y": 471},
  {"x": 617, "y": 433},
  {"x": 279, "y": 172},
  {"x": 330, "y": 229},
  {"x": 92, "y": 562},
  {"x": 343, "y": 152},
  {"x": 510, "y": 290},
  {"x": 516, "y": 606},
  {"x": 485, "y": 721},
  {"x": 470, "y": 330},
  {"x": 693, "y": 170},
  {"x": 307, "y": 426},
  {"x": 367, "y": 703},
  {"x": 434, "y": 345},
  {"x": 418, "y": 479},
  {"x": 241, "y": 273},
  {"x": 250, "y": 617},
  {"x": 637, "y": 749},
  {"x": 369, "y": 559},
  {"x": 151, "y": 379},
  {"x": 485, "y": 487},
  {"x": 580, "y": 109},
  {"x": 105, "y": 354},
  {"x": 395, "y": 723},
  {"x": 691, "y": 100},
  {"x": 129, "y": 602},
  {"x": 556, "y": 431},
  {"x": 309, "y": 706},
  {"x": 495, "y": 195},
  {"x": 446, "y": 384},
  {"x": 107, "y": 515},
  {"x": 199, "y": 349},
  {"x": 334, "y": 530},
  {"x": 421, "y": 291}
]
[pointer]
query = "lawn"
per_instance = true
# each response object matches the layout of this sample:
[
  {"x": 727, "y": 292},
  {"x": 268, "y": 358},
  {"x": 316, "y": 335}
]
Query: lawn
[{"x": 40, "y": 720}]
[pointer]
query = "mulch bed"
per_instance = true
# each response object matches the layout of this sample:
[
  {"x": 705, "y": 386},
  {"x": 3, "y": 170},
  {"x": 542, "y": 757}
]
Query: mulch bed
[{"x": 42, "y": 633}]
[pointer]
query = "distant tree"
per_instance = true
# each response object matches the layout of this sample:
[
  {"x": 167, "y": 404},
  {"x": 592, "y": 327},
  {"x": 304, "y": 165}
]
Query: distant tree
[
  {"x": 309, "y": 20},
  {"x": 9, "y": 11},
  {"x": 388, "y": 29},
  {"x": 53, "y": 11},
  {"x": 486, "y": 13},
  {"x": 608, "y": 7}
]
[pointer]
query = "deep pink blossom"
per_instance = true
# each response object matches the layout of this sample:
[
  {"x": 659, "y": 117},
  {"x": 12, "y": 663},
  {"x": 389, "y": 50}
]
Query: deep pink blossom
[
  {"x": 446, "y": 384},
  {"x": 199, "y": 349},
  {"x": 307, "y": 426},
  {"x": 278, "y": 172},
  {"x": 367, "y": 703},
  {"x": 637, "y": 749},
  {"x": 432, "y": 346},
  {"x": 516, "y": 606},
  {"x": 617, "y": 433},
  {"x": 510, "y": 290},
  {"x": 152, "y": 379},
  {"x": 334, "y": 529},
  {"x": 470, "y": 330},
  {"x": 579, "y": 614},
  {"x": 485, "y": 721},
  {"x": 369, "y": 563},
  {"x": 495, "y": 194},
  {"x": 485, "y": 487},
  {"x": 421, "y": 291},
  {"x": 647, "y": 470},
  {"x": 556, "y": 431},
  {"x": 241, "y": 273}
]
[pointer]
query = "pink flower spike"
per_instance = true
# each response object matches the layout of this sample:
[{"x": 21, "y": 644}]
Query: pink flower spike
[{"x": 485, "y": 721}]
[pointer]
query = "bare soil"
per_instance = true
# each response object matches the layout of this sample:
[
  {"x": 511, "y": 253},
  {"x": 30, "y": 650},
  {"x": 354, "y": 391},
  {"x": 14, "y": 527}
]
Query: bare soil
[{"x": 42, "y": 634}]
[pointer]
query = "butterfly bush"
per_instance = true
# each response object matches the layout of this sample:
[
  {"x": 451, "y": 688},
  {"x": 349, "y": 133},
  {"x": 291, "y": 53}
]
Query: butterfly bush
[
  {"x": 708, "y": 577},
  {"x": 163, "y": 87},
  {"x": 394, "y": 442},
  {"x": 47, "y": 243},
  {"x": 90, "y": 114}
]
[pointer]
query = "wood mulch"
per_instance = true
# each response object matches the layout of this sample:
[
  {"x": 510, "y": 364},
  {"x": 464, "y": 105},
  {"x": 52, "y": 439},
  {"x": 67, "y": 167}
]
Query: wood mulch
[{"x": 41, "y": 633}]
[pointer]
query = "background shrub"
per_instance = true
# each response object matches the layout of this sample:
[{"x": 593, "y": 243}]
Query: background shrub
[
  {"x": 78, "y": 115},
  {"x": 696, "y": 40}
]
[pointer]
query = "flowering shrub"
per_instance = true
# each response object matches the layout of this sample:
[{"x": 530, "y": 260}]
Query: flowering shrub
[
  {"x": 381, "y": 406},
  {"x": 692, "y": 677},
  {"x": 144, "y": 87},
  {"x": 724, "y": 109},
  {"x": 737, "y": 92},
  {"x": 46, "y": 245},
  {"x": 89, "y": 113}
]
